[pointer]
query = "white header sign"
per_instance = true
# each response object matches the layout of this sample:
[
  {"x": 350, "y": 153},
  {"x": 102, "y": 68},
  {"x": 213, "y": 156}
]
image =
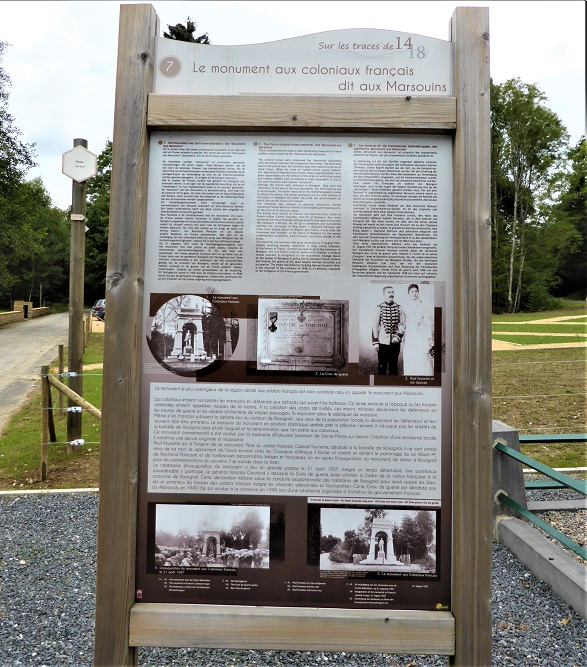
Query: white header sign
[{"x": 341, "y": 62}]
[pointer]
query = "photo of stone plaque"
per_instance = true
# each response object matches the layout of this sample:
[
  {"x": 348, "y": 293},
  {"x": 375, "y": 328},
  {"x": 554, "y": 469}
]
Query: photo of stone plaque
[{"x": 298, "y": 335}]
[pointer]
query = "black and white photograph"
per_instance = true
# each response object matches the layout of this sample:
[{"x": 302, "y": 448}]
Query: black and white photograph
[
  {"x": 302, "y": 335},
  {"x": 397, "y": 336},
  {"x": 378, "y": 539},
  {"x": 211, "y": 536},
  {"x": 189, "y": 333}
]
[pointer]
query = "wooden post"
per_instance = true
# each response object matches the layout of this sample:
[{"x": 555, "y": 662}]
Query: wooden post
[
  {"x": 44, "y": 422},
  {"x": 61, "y": 367},
  {"x": 76, "y": 300},
  {"x": 472, "y": 448},
  {"x": 115, "y": 586}
]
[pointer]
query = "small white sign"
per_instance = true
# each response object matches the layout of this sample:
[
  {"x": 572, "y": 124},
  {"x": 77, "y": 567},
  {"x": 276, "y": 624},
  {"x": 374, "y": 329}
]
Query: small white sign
[{"x": 79, "y": 164}]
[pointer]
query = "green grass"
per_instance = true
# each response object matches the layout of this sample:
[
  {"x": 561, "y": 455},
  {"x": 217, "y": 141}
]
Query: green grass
[
  {"x": 570, "y": 309},
  {"x": 543, "y": 391},
  {"x": 557, "y": 455},
  {"x": 520, "y": 339},
  {"x": 559, "y": 328},
  {"x": 20, "y": 443}
]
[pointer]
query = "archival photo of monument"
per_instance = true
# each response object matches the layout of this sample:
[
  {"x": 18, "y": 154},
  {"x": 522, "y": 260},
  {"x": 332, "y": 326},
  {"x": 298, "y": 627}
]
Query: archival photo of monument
[
  {"x": 195, "y": 537},
  {"x": 302, "y": 335},
  {"x": 378, "y": 540},
  {"x": 188, "y": 334}
]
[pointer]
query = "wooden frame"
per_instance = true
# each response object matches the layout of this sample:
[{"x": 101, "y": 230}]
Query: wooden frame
[{"x": 464, "y": 634}]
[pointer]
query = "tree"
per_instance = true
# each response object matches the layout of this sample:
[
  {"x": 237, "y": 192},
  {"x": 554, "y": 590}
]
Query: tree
[
  {"x": 528, "y": 148},
  {"x": 38, "y": 261},
  {"x": 572, "y": 210},
  {"x": 247, "y": 530},
  {"x": 98, "y": 215},
  {"x": 16, "y": 158},
  {"x": 185, "y": 33},
  {"x": 328, "y": 542}
]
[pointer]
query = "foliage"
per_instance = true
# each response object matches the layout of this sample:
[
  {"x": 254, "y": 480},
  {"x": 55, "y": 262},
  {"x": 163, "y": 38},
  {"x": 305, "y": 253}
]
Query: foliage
[
  {"x": 414, "y": 535},
  {"x": 98, "y": 215},
  {"x": 572, "y": 210},
  {"x": 328, "y": 542},
  {"x": 185, "y": 33},
  {"x": 339, "y": 554},
  {"x": 16, "y": 158},
  {"x": 246, "y": 531},
  {"x": 528, "y": 152}
]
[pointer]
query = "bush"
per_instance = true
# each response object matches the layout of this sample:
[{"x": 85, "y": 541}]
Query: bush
[{"x": 340, "y": 555}]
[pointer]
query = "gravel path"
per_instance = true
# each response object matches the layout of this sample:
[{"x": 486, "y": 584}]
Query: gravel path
[{"x": 47, "y": 581}]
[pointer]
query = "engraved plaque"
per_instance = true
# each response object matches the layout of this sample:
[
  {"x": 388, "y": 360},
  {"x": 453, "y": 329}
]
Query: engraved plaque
[{"x": 302, "y": 335}]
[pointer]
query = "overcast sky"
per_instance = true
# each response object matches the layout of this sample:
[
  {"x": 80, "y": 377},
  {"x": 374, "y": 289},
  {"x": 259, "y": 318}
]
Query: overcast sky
[{"x": 62, "y": 58}]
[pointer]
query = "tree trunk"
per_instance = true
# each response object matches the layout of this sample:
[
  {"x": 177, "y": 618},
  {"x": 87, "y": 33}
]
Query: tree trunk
[
  {"x": 519, "y": 287},
  {"x": 513, "y": 251}
]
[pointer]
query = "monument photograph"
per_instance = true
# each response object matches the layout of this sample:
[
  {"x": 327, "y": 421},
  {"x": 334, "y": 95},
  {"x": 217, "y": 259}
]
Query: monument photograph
[
  {"x": 378, "y": 539},
  {"x": 188, "y": 333},
  {"x": 192, "y": 537}
]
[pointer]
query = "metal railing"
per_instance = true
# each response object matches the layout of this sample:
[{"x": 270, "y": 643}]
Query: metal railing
[{"x": 560, "y": 479}]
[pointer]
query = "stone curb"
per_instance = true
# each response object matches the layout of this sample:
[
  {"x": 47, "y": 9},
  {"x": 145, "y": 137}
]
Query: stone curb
[{"x": 565, "y": 575}]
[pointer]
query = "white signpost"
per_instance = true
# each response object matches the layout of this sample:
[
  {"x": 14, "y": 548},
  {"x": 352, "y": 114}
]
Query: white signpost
[{"x": 79, "y": 164}]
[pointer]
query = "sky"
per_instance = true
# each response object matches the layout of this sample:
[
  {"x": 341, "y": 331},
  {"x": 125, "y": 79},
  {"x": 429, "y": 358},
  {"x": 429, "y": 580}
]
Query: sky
[{"x": 62, "y": 56}]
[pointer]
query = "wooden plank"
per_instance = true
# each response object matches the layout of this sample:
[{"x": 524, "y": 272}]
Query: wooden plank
[
  {"x": 117, "y": 518},
  {"x": 472, "y": 444},
  {"x": 292, "y": 629},
  {"x": 74, "y": 398},
  {"x": 176, "y": 112}
]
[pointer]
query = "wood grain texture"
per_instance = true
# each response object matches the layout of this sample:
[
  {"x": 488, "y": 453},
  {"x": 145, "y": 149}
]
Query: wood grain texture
[
  {"x": 120, "y": 400},
  {"x": 472, "y": 449},
  {"x": 292, "y": 629},
  {"x": 176, "y": 112}
]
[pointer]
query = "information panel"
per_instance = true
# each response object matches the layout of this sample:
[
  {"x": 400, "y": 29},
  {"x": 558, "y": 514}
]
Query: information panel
[{"x": 296, "y": 380}]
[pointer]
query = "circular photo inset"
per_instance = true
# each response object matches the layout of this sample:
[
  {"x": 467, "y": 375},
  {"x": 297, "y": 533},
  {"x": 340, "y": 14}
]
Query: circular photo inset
[{"x": 189, "y": 334}]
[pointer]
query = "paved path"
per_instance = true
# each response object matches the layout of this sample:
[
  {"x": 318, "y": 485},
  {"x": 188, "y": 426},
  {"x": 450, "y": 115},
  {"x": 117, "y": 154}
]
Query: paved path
[{"x": 24, "y": 348}]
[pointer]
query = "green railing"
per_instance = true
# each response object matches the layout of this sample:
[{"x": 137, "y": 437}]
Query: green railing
[{"x": 560, "y": 479}]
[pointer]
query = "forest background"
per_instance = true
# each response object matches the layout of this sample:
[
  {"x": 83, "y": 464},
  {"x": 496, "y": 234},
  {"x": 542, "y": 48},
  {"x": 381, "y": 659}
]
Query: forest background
[{"x": 538, "y": 217}]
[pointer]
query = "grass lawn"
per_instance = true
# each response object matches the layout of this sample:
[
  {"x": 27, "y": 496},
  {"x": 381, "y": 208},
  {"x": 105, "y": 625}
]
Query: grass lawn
[
  {"x": 570, "y": 309},
  {"x": 530, "y": 339},
  {"x": 569, "y": 327},
  {"x": 20, "y": 444}
]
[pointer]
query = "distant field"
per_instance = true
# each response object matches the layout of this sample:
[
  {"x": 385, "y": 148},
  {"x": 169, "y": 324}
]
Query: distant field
[
  {"x": 572, "y": 309},
  {"x": 547, "y": 328},
  {"x": 573, "y": 327},
  {"x": 540, "y": 391},
  {"x": 529, "y": 339}
]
